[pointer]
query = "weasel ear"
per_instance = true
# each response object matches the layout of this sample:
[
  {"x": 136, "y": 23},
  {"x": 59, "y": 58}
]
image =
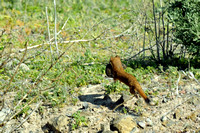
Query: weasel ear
[{"x": 117, "y": 56}]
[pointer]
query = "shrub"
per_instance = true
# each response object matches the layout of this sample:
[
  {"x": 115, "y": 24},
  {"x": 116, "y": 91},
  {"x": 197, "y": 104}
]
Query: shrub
[{"x": 185, "y": 17}]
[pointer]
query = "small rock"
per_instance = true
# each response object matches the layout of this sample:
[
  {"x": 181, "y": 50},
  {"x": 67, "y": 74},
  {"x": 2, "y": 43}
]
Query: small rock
[
  {"x": 3, "y": 113},
  {"x": 24, "y": 67},
  {"x": 155, "y": 100},
  {"x": 34, "y": 118},
  {"x": 198, "y": 115},
  {"x": 164, "y": 100},
  {"x": 145, "y": 114},
  {"x": 124, "y": 124},
  {"x": 59, "y": 124},
  {"x": 177, "y": 114},
  {"x": 85, "y": 105},
  {"x": 163, "y": 118},
  {"x": 141, "y": 124},
  {"x": 149, "y": 122}
]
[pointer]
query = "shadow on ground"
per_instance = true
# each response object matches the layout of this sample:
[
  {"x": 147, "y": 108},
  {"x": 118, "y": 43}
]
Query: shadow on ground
[{"x": 101, "y": 99}]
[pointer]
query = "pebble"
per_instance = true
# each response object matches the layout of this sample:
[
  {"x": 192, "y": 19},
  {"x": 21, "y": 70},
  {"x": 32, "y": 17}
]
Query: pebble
[
  {"x": 141, "y": 124},
  {"x": 124, "y": 124},
  {"x": 3, "y": 113},
  {"x": 149, "y": 122},
  {"x": 85, "y": 105},
  {"x": 164, "y": 100},
  {"x": 177, "y": 114},
  {"x": 163, "y": 118},
  {"x": 24, "y": 67}
]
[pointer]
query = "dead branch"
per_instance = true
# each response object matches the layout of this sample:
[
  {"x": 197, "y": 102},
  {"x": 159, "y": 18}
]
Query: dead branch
[
  {"x": 192, "y": 77},
  {"x": 3, "y": 31},
  {"x": 177, "y": 83},
  {"x": 149, "y": 48},
  {"x": 37, "y": 106},
  {"x": 13, "y": 75}
]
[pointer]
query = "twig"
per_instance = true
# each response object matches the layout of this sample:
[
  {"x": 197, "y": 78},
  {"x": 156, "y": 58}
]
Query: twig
[
  {"x": 63, "y": 26},
  {"x": 20, "y": 101},
  {"x": 23, "y": 108},
  {"x": 37, "y": 106},
  {"x": 6, "y": 120},
  {"x": 141, "y": 52},
  {"x": 55, "y": 30},
  {"x": 118, "y": 106},
  {"x": 49, "y": 33},
  {"x": 144, "y": 39},
  {"x": 71, "y": 41},
  {"x": 40, "y": 78},
  {"x": 49, "y": 42},
  {"x": 192, "y": 77},
  {"x": 16, "y": 70},
  {"x": 3, "y": 31},
  {"x": 177, "y": 83},
  {"x": 33, "y": 86},
  {"x": 58, "y": 77},
  {"x": 37, "y": 54},
  {"x": 81, "y": 40},
  {"x": 155, "y": 25}
]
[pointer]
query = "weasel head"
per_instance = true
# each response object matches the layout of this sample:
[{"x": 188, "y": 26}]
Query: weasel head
[{"x": 116, "y": 63}]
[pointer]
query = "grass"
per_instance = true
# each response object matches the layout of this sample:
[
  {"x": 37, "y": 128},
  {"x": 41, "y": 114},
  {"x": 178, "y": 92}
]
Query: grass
[
  {"x": 78, "y": 120},
  {"x": 84, "y": 62}
]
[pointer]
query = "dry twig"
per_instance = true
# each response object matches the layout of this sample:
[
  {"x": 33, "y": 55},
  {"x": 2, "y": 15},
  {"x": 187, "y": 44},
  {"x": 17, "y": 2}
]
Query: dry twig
[
  {"x": 37, "y": 106},
  {"x": 177, "y": 84},
  {"x": 16, "y": 70}
]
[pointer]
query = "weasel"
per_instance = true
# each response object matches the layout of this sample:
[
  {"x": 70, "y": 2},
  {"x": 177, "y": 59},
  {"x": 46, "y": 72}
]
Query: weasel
[{"x": 115, "y": 70}]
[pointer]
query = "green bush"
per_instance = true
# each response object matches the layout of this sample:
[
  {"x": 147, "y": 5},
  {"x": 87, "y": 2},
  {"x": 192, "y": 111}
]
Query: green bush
[{"x": 185, "y": 17}]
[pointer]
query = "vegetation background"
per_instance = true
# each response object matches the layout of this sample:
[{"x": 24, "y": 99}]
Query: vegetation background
[{"x": 143, "y": 33}]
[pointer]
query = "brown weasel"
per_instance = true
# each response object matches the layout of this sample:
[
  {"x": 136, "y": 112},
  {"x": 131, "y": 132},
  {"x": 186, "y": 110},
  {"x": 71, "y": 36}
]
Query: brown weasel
[{"x": 116, "y": 71}]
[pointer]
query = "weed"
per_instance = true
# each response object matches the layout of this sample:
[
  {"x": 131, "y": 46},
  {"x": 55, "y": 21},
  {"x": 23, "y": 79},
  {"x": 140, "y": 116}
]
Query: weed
[
  {"x": 78, "y": 120},
  {"x": 137, "y": 109},
  {"x": 113, "y": 87},
  {"x": 124, "y": 110}
]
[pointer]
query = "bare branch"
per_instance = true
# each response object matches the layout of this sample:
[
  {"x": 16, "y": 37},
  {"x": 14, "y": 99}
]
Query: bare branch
[
  {"x": 49, "y": 33},
  {"x": 192, "y": 77},
  {"x": 37, "y": 106},
  {"x": 16, "y": 69},
  {"x": 55, "y": 30},
  {"x": 177, "y": 83},
  {"x": 149, "y": 48}
]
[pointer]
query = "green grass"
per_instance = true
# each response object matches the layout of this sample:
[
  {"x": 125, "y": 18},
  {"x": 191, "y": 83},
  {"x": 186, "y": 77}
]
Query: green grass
[{"x": 79, "y": 120}]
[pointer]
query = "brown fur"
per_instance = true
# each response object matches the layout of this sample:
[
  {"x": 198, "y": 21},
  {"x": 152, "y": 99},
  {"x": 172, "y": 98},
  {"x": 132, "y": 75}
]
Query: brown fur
[{"x": 118, "y": 73}]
